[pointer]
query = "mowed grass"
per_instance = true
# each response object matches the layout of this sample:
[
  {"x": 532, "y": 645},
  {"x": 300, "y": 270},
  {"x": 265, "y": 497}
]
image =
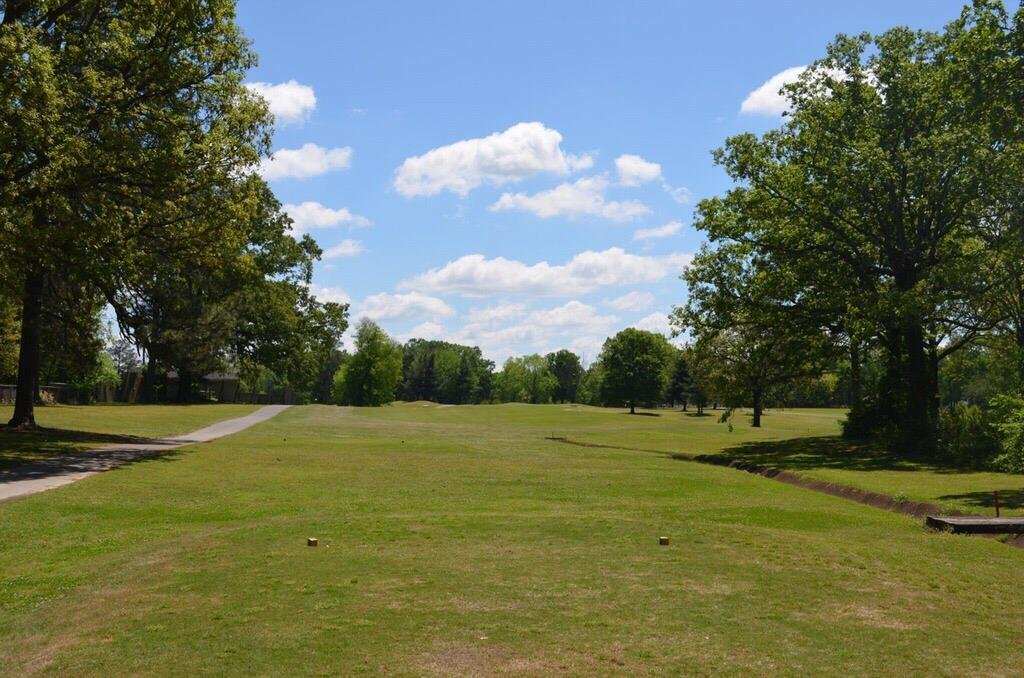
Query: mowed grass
[
  {"x": 458, "y": 540},
  {"x": 69, "y": 428},
  {"x": 806, "y": 441}
]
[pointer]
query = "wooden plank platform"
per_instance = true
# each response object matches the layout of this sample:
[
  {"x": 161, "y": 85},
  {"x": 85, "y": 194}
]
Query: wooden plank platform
[{"x": 976, "y": 525}]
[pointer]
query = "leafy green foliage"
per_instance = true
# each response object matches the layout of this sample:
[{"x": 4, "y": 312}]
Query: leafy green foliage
[
  {"x": 635, "y": 363},
  {"x": 966, "y": 435},
  {"x": 680, "y": 386},
  {"x": 568, "y": 371},
  {"x": 9, "y": 333},
  {"x": 369, "y": 377},
  {"x": 527, "y": 379},
  {"x": 445, "y": 373},
  {"x": 591, "y": 387},
  {"x": 1009, "y": 424}
]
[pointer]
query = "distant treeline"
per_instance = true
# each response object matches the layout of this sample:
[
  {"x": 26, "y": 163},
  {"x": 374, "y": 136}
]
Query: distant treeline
[{"x": 636, "y": 368}]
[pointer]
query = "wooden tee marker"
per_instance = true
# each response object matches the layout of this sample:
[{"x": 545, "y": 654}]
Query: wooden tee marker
[
  {"x": 663, "y": 541},
  {"x": 312, "y": 541}
]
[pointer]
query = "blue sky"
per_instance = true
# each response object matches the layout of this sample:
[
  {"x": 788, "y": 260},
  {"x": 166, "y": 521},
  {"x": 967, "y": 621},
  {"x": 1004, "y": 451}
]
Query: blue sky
[{"x": 522, "y": 175}]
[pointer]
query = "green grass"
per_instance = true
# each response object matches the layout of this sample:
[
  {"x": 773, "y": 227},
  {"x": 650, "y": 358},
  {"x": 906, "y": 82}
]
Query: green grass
[
  {"x": 71, "y": 428},
  {"x": 806, "y": 441},
  {"x": 459, "y": 540},
  {"x": 869, "y": 467}
]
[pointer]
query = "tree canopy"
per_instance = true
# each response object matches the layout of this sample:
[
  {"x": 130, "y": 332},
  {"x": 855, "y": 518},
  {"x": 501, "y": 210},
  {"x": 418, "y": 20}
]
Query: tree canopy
[
  {"x": 567, "y": 369},
  {"x": 635, "y": 366},
  {"x": 128, "y": 146},
  {"x": 369, "y": 377}
]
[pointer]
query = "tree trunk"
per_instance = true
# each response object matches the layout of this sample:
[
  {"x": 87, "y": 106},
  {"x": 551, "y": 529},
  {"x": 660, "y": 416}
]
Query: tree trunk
[
  {"x": 148, "y": 394},
  {"x": 1019, "y": 334},
  {"x": 933, "y": 376},
  {"x": 184, "y": 386},
  {"x": 758, "y": 408},
  {"x": 684, "y": 405},
  {"x": 632, "y": 407},
  {"x": 917, "y": 430},
  {"x": 24, "y": 418},
  {"x": 856, "y": 388},
  {"x": 891, "y": 389}
]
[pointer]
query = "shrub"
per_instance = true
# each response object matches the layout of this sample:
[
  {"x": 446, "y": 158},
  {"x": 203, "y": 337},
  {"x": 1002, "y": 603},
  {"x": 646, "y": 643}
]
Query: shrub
[
  {"x": 864, "y": 420},
  {"x": 1008, "y": 411},
  {"x": 966, "y": 435}
]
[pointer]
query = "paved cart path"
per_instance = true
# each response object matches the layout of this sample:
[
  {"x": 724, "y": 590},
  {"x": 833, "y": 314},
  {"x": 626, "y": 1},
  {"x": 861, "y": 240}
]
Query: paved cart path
[{"x": 67, "y": 468}]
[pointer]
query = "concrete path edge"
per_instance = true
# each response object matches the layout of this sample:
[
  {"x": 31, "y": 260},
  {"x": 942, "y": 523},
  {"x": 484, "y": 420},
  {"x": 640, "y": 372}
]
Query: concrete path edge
[{"x": 65, "y": 469}]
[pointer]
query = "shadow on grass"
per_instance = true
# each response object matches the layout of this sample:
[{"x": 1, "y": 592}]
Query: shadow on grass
[
  {"x": 23, "y": 447},
  {"x": 1008, "y": 499},
  {"x": 642, "y": 414},
  {"x": 829, "y": 452}
]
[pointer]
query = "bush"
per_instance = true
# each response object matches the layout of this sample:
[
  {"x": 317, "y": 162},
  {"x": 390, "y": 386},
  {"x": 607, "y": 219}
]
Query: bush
[
  {"x": 1008, "y": 423},
  {"x": 966, "y": 435},
  {"x": 864, "y": 420}
]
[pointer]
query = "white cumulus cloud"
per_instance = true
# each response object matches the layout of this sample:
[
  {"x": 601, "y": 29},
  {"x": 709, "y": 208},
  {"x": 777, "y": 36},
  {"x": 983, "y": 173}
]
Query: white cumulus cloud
[
  {"x": 584, "y": 197},
  {"x": 768, "y": 99},
  {"x": 346, "y": 248},
  {"x": 476, "y": 275},
  {"x": 631, "y": 301},
  {"x": 310, "y": 215},
  {"x": 426, "y": 330},
  {"x": 307, "y": 161},
  {"x": 521, "y": 151},
  {"x": 385, "y": 306},
  {"x": 680, "y": 194},
  {"x": 634, "y": 170},
  {"x": 495, "y": 315},
  {"x": 289, "y": 101},
  {"x": 669, "y": 229},
  {"x": 655, "y": 322},
  {"x": 335, "y": 294},
  {"x": 509, "y": 329}
]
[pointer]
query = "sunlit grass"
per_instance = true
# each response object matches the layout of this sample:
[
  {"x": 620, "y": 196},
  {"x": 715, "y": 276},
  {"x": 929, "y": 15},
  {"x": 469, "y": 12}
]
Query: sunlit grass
[
  {"x": 69, "y": 428},
  {"x": 460, "y": 540}
]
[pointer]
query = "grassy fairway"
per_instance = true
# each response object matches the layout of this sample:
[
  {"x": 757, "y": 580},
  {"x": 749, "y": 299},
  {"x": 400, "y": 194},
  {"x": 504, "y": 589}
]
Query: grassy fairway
[
  {"x": 805, "y": 441},
  {"x": 459, "y": 540},
  {"x": 70, "y": 428}
]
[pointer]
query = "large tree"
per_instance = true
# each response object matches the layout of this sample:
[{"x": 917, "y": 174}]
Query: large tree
[
  {"x": 368, "y": 378},
  {"x": 243, "y": 302},
  {"x": 635, "y": 365},
  {"x": 118, "y": 122},
  {"x": 568, "y": 371},
  {"x": 755, "y": 328},
  {"x": 871, "y": 196},
  {"x": 680, "y": 385}
]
